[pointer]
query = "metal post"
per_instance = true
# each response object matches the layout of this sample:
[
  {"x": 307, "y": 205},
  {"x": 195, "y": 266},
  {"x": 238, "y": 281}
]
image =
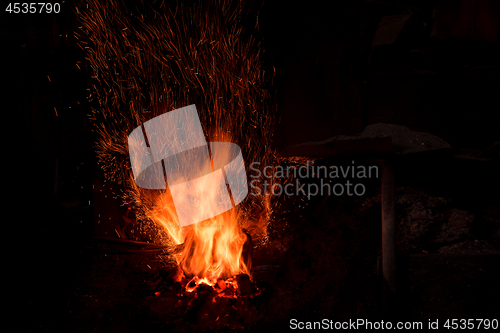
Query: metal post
[{"x": 388, "y": 232}]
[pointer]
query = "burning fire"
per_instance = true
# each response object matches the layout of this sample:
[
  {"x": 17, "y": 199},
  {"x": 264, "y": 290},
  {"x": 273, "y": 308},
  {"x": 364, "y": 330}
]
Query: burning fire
[
  {"x": 148, "y": 59},
  {"x": 211, "y": 249}
]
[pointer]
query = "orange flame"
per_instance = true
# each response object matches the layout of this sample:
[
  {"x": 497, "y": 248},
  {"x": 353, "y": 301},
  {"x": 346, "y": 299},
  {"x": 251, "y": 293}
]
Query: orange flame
[
  {"x": 212, "y": 248},
  {"x": 175, "y": 55}
]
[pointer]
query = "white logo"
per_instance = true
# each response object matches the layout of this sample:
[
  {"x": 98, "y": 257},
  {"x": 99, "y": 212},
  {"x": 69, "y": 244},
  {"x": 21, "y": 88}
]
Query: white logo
[{"x": 178, "y": 150}]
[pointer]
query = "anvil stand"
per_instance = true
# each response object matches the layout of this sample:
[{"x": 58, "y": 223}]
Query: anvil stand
[
  {"x": 388, "y": 194},
  {"x": 379, "y": 150}
]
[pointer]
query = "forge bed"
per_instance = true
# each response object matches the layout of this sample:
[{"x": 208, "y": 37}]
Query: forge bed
[{"x": 327, "y": 251}]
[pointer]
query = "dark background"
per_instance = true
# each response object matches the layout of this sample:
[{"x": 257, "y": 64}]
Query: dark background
[{"x": 336, "y": 73}]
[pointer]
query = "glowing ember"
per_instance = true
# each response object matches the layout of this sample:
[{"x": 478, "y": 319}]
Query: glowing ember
[{"x": 151, "y": 59}]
